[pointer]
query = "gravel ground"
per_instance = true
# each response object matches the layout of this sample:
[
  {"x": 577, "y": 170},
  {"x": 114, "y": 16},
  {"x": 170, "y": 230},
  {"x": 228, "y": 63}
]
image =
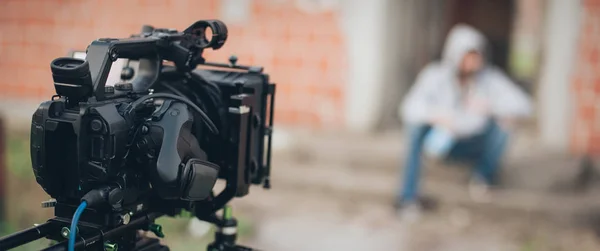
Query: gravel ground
[
  {"x": 329, "y": 194},
  {"x": 334, "y": 192}
]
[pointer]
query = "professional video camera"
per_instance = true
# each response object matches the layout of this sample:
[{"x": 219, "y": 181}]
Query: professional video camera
[{"x": 154, "y": 144}]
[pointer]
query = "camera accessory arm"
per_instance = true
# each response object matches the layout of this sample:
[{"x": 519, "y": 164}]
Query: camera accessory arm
[
  {"x": 183, "y": 48},
  {"x": 101, "y": 53}
]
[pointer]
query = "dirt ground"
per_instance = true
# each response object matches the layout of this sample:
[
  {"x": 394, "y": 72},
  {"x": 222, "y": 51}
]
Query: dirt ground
[
  {"x": 322, "y": 223},
  {"x": 334, "y": 191}
]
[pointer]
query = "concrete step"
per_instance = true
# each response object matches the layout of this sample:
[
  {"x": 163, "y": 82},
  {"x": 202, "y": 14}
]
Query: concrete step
[
  {"x": 353, "y": 150},
  {"x": 298, "y": 219},
  {"x": 371, "y": 185},
  {"x": 385, "y": 149}
]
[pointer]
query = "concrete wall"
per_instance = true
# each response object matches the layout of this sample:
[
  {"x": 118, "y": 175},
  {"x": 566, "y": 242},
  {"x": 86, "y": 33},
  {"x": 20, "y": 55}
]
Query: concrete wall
[
  {"x": 560, "y": 47},
  {"x": 364, "y": 32},
  {"x": 414, "y": 35}
]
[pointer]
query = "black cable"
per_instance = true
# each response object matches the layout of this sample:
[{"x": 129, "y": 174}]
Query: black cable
[
  {"x": 193, "y": 95},
  {"x": 211, "y": 96},
  {"x": 172, "y": 89},
  {"x": 211, "y": 126},
  {"x": 128, "y": 146}
]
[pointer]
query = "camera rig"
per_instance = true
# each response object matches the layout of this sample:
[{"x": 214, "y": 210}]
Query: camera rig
[{"x": 150, "y": 146}]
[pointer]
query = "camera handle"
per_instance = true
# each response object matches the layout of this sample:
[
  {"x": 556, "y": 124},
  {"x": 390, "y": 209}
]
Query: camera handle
[
  {"x": 151, "y": 48},
  {"x": 226, "y": 234}
]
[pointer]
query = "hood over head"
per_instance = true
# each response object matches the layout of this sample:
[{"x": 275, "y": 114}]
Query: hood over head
[{"x": 462, "y": 39}]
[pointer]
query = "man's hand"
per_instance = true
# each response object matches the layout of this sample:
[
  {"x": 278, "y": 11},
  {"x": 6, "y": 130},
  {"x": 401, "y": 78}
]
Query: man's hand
[
  {"x": 445, "y": 121},
  {"x": 478, "y": 105},
  {"x": 507, "y": 124}
]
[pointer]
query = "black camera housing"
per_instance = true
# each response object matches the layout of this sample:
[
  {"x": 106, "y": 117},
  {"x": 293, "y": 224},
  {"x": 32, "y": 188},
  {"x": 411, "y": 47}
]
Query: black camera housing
[
  {"x": 116, "y": 158},
  {"x": 158, "y": 154},
  {"x": 76, "y": 149}
]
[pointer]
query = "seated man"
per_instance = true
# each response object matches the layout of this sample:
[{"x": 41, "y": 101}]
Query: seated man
[{"x": 459, "y": 107}]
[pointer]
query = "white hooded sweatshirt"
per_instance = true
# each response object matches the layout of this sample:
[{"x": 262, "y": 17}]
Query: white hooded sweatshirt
[{"x": 437, "y": 90}]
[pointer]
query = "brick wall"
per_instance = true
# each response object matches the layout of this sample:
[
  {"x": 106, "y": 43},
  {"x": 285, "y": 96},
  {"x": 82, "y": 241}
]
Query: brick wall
[
  {"x": 301, "y": 50},
  {"x": 586, "y": 83}
]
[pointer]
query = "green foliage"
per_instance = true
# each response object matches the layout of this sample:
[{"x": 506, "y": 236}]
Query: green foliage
[
  {"x": 523, "y": 64},
  {"x": 8, "y": 228},
  {"x": 17, "y": 155},
  {"x": 528, "y": 247},
  {"x": 245, "y": 227},
  {"x": 178, "y": 238}
]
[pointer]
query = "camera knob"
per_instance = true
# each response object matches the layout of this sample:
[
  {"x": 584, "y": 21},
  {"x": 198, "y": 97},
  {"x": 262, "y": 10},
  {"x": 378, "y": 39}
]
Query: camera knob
[
  {"x": 233, "y": 60},
  {"x": 115, "y": 198},
  {"x": 125, "y": 218},
  {"x": 125, "y": 87},
  {"x": 49, "y": 203},
  {"x": 147, "y": 29},
  {"x": 127, "y": 73},
  {"x": 109, "y": 89},
  {"x": 96, "y": 125},
  {"x": 239, "y": 86}
]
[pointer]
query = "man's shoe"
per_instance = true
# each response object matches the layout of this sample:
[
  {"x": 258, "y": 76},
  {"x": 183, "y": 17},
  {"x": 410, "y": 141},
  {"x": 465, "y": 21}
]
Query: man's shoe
[
  {"x": 412, "y": 210},
  {"x": 409, "y": 212},
  {"x": 426, "y": 203},
  {"x": 479, "y": 190}
]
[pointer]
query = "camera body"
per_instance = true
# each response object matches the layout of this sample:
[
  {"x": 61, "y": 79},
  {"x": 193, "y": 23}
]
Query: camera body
[
  {"x": 157, "y": 142},
  {"x": 75, "y": 149},
  {"x": 116, "y": 158}
]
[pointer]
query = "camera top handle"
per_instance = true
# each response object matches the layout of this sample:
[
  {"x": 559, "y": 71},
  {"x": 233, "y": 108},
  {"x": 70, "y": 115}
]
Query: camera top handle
[{"x": 184, "y": 49}]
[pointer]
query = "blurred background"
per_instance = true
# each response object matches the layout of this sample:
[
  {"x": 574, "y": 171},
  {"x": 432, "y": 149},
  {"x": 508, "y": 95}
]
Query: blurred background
[{"x": 342, "y": 68}]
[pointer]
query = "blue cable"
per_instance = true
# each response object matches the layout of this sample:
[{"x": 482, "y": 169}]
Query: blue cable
[{"x": 73, "y": 230}]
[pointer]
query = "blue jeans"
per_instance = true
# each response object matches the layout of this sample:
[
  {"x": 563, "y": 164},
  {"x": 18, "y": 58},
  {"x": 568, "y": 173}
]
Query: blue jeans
[{"x": 484, "y": 150}]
